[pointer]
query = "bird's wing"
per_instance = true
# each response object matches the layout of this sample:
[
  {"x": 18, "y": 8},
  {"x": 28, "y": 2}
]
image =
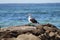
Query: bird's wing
[{"x": 33, "y": 20}]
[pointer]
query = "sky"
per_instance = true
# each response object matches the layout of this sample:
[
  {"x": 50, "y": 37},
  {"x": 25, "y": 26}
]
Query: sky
[{"x": 29, "y": 1}]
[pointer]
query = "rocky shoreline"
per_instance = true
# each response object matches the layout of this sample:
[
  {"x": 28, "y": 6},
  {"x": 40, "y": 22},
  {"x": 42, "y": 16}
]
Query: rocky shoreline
[{"x": 28, "y": 32}]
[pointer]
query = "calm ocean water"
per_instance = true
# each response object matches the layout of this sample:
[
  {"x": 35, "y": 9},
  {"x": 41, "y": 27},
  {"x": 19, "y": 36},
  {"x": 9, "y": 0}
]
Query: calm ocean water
[{"x": 16, "y": 14}]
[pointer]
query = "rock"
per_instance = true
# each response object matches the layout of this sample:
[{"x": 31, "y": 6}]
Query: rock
[
  {"x": 8, "y": 39},
  {"x": 58, "y": 32},
  {"x": 39, "y": 27},
  {"x": 27, "y": 37},
  {"x": 58, "y": 36},
  {"x": 50, "y": 25},
  {"x": 51, "y": 34},
  {"x": 44, "y": 36},
  {"x": 50, "y": 28},
  {"x": 37, "y": 32},
  {"x": 47, "y": 31}
]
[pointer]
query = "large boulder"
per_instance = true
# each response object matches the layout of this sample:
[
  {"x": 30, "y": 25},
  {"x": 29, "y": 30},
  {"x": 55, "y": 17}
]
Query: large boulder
[
  {"x": 27, "y": 37},
  {"x": 37, "y": 32}
]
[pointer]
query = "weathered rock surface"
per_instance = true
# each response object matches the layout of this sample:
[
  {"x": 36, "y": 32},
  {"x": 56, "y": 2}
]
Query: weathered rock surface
[
  {"x": 27, "y": 37},
  {"x": 28, "y": 32}
]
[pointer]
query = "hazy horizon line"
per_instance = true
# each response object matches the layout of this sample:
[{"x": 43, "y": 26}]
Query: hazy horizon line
[{"x": 25, "y": 3}]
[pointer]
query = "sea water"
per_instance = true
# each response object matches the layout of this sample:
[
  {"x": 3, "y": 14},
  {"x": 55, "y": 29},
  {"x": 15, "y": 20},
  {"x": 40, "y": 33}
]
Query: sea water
[{"x": 16, "y": 14}]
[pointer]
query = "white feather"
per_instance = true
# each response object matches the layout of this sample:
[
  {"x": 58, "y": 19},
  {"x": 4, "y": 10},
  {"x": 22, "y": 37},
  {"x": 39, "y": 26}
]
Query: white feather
[{"x": 29, "y": 18}]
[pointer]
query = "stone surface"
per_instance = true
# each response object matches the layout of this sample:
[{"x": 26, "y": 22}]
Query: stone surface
[
  {"x": 27, "y": 37},
  {"x": 9, "y": 39},
  {"x": 51, "y": 34},
  {"x": 28, "y": 32}
]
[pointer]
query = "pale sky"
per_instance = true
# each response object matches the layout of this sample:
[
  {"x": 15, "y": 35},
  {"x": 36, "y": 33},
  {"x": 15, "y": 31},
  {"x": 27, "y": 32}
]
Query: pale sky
[{"x": 29, "y": 1}]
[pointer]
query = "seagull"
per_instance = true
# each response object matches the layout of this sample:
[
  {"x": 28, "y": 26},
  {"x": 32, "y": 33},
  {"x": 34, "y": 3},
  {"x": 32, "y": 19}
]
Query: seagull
[{"x": 32, "y": 20}]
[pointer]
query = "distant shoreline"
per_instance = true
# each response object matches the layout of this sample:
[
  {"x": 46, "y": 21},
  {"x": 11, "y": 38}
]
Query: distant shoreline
[{"x": 29, "y": 3}]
